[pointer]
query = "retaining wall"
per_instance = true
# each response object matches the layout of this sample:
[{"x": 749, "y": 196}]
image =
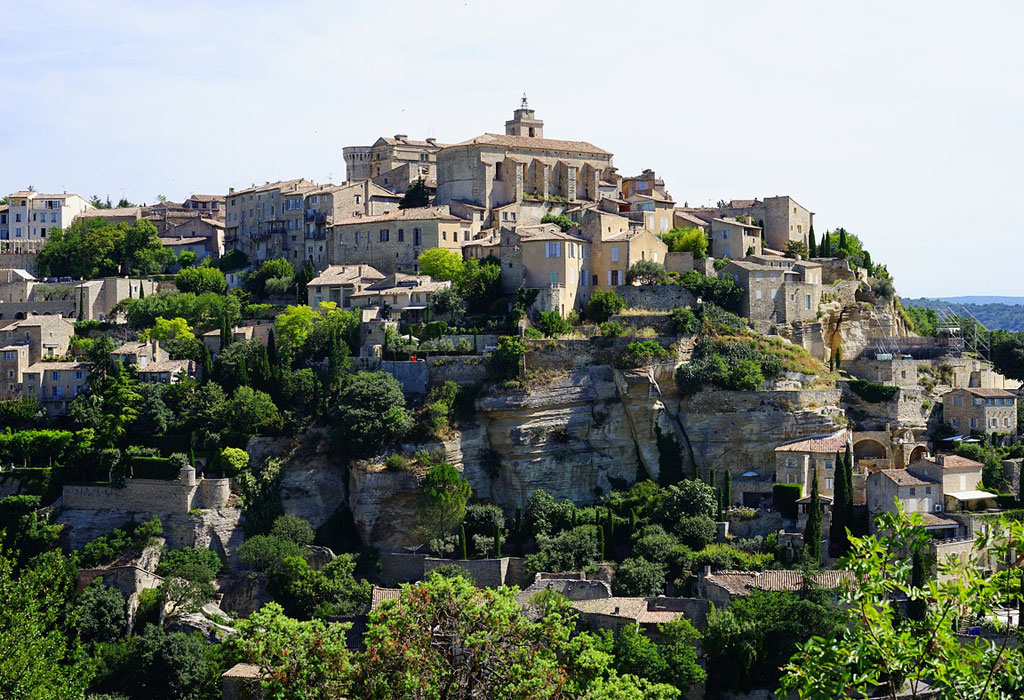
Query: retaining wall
[
  {"x": 459, "y": 369},
  {"x": 150, "y": 496},
  {"x": 657, "y": 297},
  {"x": 413, "y": 376},
  {"x": 399, "y": 567}
]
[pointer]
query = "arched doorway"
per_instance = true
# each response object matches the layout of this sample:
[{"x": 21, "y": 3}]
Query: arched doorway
[
  {"x": 920, "y": 452},
  {"x": 871, "y": 454}
]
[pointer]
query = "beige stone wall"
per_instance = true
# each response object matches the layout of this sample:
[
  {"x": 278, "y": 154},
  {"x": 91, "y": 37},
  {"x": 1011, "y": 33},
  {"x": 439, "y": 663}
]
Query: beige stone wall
[
  {"x": 681, "y": 262},
  {"x": 399, "y": 252},
  {"x": 987, "y": 418}
]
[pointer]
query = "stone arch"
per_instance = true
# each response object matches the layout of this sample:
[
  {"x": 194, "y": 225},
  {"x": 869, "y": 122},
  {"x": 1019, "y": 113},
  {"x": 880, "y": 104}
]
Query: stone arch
[
  {"x": 869, "y": 448},
  {"x": 919, "y": 452},
  {"x": 20, "y": 315}
]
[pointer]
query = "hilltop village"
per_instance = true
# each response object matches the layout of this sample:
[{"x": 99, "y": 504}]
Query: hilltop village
[{"x": 490, "y": 364}]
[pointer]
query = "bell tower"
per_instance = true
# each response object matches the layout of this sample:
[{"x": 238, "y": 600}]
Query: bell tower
[{"x": 524, "y": 123}]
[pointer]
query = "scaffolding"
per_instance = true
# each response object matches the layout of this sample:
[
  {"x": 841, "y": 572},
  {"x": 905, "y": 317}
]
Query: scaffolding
[{"x": 887, "y": 340}]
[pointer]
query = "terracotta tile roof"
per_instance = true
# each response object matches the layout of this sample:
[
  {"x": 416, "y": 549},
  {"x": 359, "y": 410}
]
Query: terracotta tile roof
[
  {"x": 536, "y": 144},
  {"x": 44, "y": 366},
  {"x": 902, "y": 477},
  {"x": 181, "y": 240},
  {"x": 742, "y": 582},
  {"x": 115, "y": 211},
  {"x": 735, "y": 222},
  {"x": 410, "y": 142},
  {"x": 695, "y": 220},
  {"x": 828, "y": 444},
  {"x": 947, "y": 462},
  {"x": 266, "y": 187},
  {"x": 172, "y": 366},
  {"x": 346, "y": 274},
  {"x": 933, "y": 520},
  {"x": 988, "y": 393},
  {"x": 413, "y": 214},
  {"x": 641, "y": 610},
  {"x": 207, "y": 198},
  {"x": 546, "y": 232}
]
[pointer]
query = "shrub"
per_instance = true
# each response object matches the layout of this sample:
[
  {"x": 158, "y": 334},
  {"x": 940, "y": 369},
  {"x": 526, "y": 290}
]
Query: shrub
[
  {"x": 638, "y": 577},
  {"x": 396, "y": 463},
  {"x": 264, "y": 551},
  {"x": 611, "y": 329},
  {"x": 723, "y": 556},
  {"x": 646, "y": 272},
  {"x": 564, "y": 222},
  {"x": 294, "y": 529},
  {"x": 785, "y": 496},
  {"x": 101, "y": 613},
  {"x": 504, "y": 363},
  {"x": 684, "y": 321},
  {"x": 690, "y": 239},
  {"x": 551, "y": 324},
  {"x": 369, "y": 414},
  {"x": 873, "y": 392},
  {"x": 721, "y": 292},
  {"x": 641, "y": 353},
  {"x": 696, "y": 531},
  {"x": 604, "y": 304},
  {"x": 199, "y": 565},
  {"x": 883, "y": 289}
]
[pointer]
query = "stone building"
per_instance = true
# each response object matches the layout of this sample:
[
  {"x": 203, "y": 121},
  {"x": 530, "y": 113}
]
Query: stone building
[
  {"x": 683, "y": 219},
  {"x": 45, "y": 336},
  {"x": 393, "y": 163},
  {"x": 55, "y": 384},
  {"x": 408, "y": 295},
  {"x": 775, "y": 292},
  {"x": 544, "y": 257},
  {"x": 783, "y": 219},
  {"x": 721, "y": 587},
  {"x": 291, "y": 218},
  {"x": 646, "y": 183},
  {"x": 31, "y": 214},
  {"x": 140, "y": 353},
  {"x": 732, "y": 238},
  {"x": 393, "y": 242},
  {"x": 337, "y": 283},
  {"x": 523, "y": 169},
  {"x": 797, "y": 461},
  {"x": 975, "y": 409}
]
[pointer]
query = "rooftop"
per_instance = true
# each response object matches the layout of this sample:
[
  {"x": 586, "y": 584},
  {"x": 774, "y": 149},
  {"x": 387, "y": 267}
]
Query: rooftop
[
  {"x": 988, "y": 393},
  {"x": 902, "y": 477},
  {"x": 828, "y": 444},
  {"x": 346, "y": 274},
  {"x": 536, "y": 144},
  {"x": 946, "y": 462},
  {"x": 742, "y": 582},
  {"x": 165, "y": 366},
  {"x": 411, "y": 214}
]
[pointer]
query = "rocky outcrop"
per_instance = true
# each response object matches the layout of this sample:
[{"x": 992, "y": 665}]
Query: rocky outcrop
[
  {"x": 244, "y": 593},
  {"x": 208, "y": 621},
  {"x": 383, "y": 505}
]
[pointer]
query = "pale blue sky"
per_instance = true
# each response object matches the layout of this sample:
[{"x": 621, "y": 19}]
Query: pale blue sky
[{"x": 900, "y": 121}]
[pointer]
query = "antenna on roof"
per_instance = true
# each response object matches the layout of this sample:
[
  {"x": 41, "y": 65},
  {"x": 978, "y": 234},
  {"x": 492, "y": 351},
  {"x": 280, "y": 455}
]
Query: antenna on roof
[{"x": 524, "y": 104}]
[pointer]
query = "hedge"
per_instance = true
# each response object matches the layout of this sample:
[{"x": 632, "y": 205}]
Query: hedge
[
  {"x": 785, "y": 497},
  {"x": 155, "y": 468},
  {"x": 873, "y": 392}
]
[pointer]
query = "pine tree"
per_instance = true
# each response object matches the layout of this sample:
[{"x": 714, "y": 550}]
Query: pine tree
[
  {"x": 837, "y": 535},
  {"x": 917, "y": 609},
  {"x": 812, "y": 245},
  {"x": 812, "y": 531},
  {"x": 416, "y": 196},
  {"x": 826, "y": 245}
]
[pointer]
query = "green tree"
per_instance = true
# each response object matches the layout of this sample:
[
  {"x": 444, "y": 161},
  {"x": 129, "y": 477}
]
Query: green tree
[
  {"x": 797, "y": 249},
  {"x": 416, "y": 196},
  {"x": 689, "y": 239},
  {"x": 442, "y": 264},
  {"x": 251, "y": 410},
  {"x": 812, "y": 244},
  {"x": 442, "y": 500},
  {"x": 369, "y": 414},
  {"x": 293, "y": 327},
  {"x": 639, "y": 577},
  {"x": 263, "y": 552},
  {"x": 551, "y": 324},
  {"x": 646, "y": 272},
  {"x": 507, "y": 360},
  {"x": 812, "y": 531},
  {"x": 889, "y": 653},
  {"x": 101, "y": 613},
  {"x": 294, "y": 529},
  {"x": 197, "y": 280},
  {"x": 842, "y": 507},
  {"x": 603, "y": 304}
]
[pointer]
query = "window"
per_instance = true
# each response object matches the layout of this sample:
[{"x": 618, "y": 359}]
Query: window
[
  {"x": 79, "y": 374},
  {"x": 53, "y": 218},
  {"x": 974, "y": 422},
  {"x": 725, "y": 252},
  {"x": 444, "y": 235},
  {"x": 1006, "y": 422},
  {"x": 725, "y": 235},
  {"x": 415, "y": 236},
  {"x": 828, "y": 464},
  {"x": 913, "y": 491},
  {"x": 956, "y": 422},
  {"x": 401, "y": 235},
  {"x": 757, "y": 294},
  {"x": 571, "y": 247},
  {"x": 829, "y": 484},
  {"x": 928, "y": 490},
  {"x": 807, "y": 301},
  {"x": 978, "y": 402},
  {"x": 55, "y": 375},
  {"x": 553, "y": 250},
  {"x": 958, "y": 400},
  {"x": 357, "y": 237},
  {"x": 615, "y": 253},
  {"x": 553, "y": 277}
]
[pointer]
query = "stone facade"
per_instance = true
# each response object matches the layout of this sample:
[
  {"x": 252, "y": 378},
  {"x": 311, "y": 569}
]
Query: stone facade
[
  {"x": 980, "y": 410},
  {"x": 656, "y": 298},
  {"x": 393, "y": 242},
  {"x": 732, "y": 238},
  {"x": 777, "y": 292},
  {"x": 797, "y": 461},
  {"x": 152, "y": 495},
  {"x": 393, "y": 163}
]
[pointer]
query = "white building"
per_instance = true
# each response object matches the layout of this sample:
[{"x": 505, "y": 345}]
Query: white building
[{"x": 30, "y": 214}]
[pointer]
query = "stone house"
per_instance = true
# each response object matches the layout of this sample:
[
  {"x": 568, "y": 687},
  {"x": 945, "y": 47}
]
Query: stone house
[
  {"x": 684, "y": 219},
  {"x": 55, "y": 384},
  {"x": 140, "y": 354},
  {"x": 797, "y": 461},
  {"x": 775, "y": 292},
  {"x": 250, "y": 330},
  {"x": 394, "y": 163},
  {"x": 45, "y": 336},
  {"x": 409, "y": 295},
  {"x": 31, "y": 214},
  {"x": 931, "y": 486},
  {"x": 337, "y": 283},
  {"x": 521, "y": 168},
  {"x": 15, "y": 285},
  {"x": 14, "y": 360},
  {"x": 783, "y": 218},
  {"x": 721, "y": 587},
  {"x": 974, "y": 409},
  {"x": 646, "y": 183},
  {"x": 199, "y": 246},
  {"x": 735, "y": 239},
  {"x": 652, "y": 212},
  {"x": 644, "y": 614},
  {"x": 614, "y": 255},
  {"x": 393, "y": 242},
  {"x": 167, "y": 371},
  {"x": 543, "y": 257}
]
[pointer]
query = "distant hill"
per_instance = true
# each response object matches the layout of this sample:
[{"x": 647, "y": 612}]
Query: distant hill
[{"x": 1007, "y": 315}]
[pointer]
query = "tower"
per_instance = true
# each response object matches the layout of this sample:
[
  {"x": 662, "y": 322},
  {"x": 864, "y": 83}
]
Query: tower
[{"x": 524, "y": 123}]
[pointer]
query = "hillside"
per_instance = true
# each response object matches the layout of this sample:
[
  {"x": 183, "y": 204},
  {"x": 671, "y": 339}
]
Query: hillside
[{"x": 995, "y": 316}]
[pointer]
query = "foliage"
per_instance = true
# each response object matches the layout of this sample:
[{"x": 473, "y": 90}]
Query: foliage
[
  {"x": 569, "y": 550},
  {"x": 603, "y": 304},
  {"x": 696, "y": 531},
  {"x": 38, "y": 652},
  {"x": 441, "y": 264},
  {"x": 232, "y": 260},
  {"x": 171, "y": 665},
  {"x": 416, "y": 196},
  {"x": 107, "y": 548},
  {"x": 260, "y": 489},
  {"x": 251, "y": 410},
  {"x": 722, "y": 292},
  {"x": 612, "y": 329},
  {"x": 741, "y": 362},
  {"x": 688, "y": 498},
  {"x": 638, "y": 577},
  {"x": 505, "y": 362},
  {"x": 93, "y": 247},
  {"x": 646, "y": 272},
  {"x": 812, "y": 530},
  {"x": 262, "y": 552},
  {"x": 673, "y": 660},
  {"x": 200, "y": 565},
  {"x": 329, "y": 592},
  {"x": 640, "y": 353},
  {"x": 369, "y": 414},
  {"x": 684, "y": 321},
  {"x": 883, "y": 289},
  {"x": 784, "y": 497},
  {"x": 294, "y": 529},
  {"x": 563, "y": 222},
  {"x": 552, "y": 324},
  {"x": 889, "y": 652},
  {"x": 723, "y": 556},
  {"x": 272, "y": 277},
  {"x": 205, "y": 310},
  {"x": 198, "y": 280},
  {"x": 796, "y": 249},
  {"x": 689, "y": 239},
  {"x": 1007, "y": 354},
  {"x": 873, "y": 392},
  {"x": 20, "y": 413},
  {"x": 442, "y": 501},
  {"x": 101, "y": 613},
  {"x": 922, "y": 320}
]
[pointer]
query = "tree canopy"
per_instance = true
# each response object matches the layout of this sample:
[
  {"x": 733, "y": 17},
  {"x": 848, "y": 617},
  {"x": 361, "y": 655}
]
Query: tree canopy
[{"x": 94, "y": 247}]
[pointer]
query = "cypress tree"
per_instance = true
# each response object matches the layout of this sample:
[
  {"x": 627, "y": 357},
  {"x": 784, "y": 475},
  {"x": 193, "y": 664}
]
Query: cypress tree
[
  {"x": 462, "y": 541},
  {"x": 718, "y": 502},
  {"x": 611, "y": 525},
  {"x": 1020, "y": 490},
  {"x": 727, "y": 490},
  {"x": 848, "y": 473},
  {"x": 497, "y": 541},
  {"x": 837, "y": 535},
  {"x": 600, "y": 541},
  {"x": 842, "y": 240},
  {"x": 272, "y": 348},
  {"x": 812, "y": 246},
  {"x": 812, "y": 531},
  {"x": 839, "y": 357},
  {"x": 711, "y": 480},
  {"x": 207, "y": 363},
  {"x": 142, "y": 292},
  {"x": 867, "y": 264},
  {"x": 826, "y": 245},
  {"x": 917, "y": 608}
]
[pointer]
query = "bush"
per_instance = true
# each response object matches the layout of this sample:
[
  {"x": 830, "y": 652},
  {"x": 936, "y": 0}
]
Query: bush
[
  {"x": 396, "y": 463},
  {"x": 155, "y": 468},
  {"x": 369, "y": 414},
  {"x": 696, "y": 531},
  {"x": 646, "y": 272},
  {"x": 604, "y": 304},
  {"x": 504, "y": 363},
  {"x": 785, "y": 496},
  {"x": 612, "y": 329},
  {"x": 264, "y": 551},
  {"x": 101, "y": 613},
  {"x": 723, "y": 556},
  {"x": 684, "y": 321},
  {"x": 690, "y": 497},
  {"x": 883, "y": 289},
  {"x": 873, "y": 392},
  {"x": 552, "y": 324},
  {"x": 197, "y": 280},
  {"x": 294, "y": 529},
  {"x": 641, "y": 353},
  {"x": 198, "y": 565},
  {"x": 638, "y": 577}
]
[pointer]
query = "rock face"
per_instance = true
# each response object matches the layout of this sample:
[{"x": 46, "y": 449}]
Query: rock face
[{"x": 383, "y": 505}]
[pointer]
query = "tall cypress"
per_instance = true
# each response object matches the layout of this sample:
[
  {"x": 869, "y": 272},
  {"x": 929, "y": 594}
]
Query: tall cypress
[
  {"x": 837, "y": 535},
  {"x": 272, "y": 348},
  {"x": 462, "y": 542},
  {"x": 842, "y": 240},
  {"x": 727, "y": 490},
  {"x": 826, "y": 245},
  {"x": 917, "y": 608},
  {"x": 812, "y": 531}
]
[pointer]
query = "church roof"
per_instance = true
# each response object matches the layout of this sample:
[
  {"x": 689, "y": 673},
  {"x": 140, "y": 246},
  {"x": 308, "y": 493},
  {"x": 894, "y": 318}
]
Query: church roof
[{"x": 536, "y": 144}]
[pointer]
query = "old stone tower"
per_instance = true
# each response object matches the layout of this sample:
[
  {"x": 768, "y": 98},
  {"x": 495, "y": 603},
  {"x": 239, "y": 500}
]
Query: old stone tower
[{"x": 524, "y": 122}]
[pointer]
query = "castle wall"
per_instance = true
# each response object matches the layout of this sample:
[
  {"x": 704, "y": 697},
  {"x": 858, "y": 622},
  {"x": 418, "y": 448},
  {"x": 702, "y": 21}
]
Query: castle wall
[{"x": 149, "y": 496}]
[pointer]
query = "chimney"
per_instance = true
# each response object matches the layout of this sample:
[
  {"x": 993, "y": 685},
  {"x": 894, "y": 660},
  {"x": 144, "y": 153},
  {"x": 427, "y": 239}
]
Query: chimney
[
  {"x": 431, "y": 140},
  {"x": 401, "y": 137},
  {"x": 939, "y": 459},
  {"x": 231, "y": 190}
]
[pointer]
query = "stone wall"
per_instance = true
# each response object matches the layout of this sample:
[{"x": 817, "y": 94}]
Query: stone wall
[
  {"x": 459, "y": 369},
  {"x": 402, "y": 567},
  {"x": 561, "y": 355},
  {"x": 150, "y": 496},
  {"x": 659, "y": 297},
  {"x": 413, "y": 376},
  {"x": 834, "y": 269},
  {"x": 681, "y": 262},
  {"x": 764, "y": 524}
]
